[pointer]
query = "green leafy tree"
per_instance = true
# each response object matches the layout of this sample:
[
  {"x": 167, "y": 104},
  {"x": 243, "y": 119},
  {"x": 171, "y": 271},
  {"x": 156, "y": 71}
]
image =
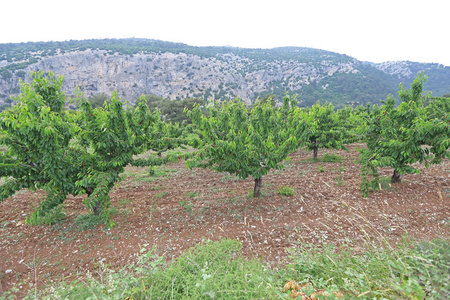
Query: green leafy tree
[
  {"x": 166, "y": 136},
  {"x": 361, "y": 119},
  {"x": 349, "y": 122},
  {"x": 438, "y": 107},
  {"x": 269, "y": 97},
  {"x": 326, "y": 129},
  {"x": 154, "y": 101},
  {"x": 64, "y": 153},
  {"x": 114, "y": 135},
  {"x": 173, "y": 110},
  {"x": 354, "y": 122},
  {"x": 247, "y": 143},
  {"x": 98, "y": 100},
  {"x": 402, "y": 135}
]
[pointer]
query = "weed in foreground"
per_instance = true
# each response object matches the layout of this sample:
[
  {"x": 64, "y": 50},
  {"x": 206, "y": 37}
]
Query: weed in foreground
[
  {"x": 331, "y": 158},
  {"x": 378, "y": 273},
  {"x": 191, "y": 194},
  {"x": 89, "y": 221},
  {"x": 54, "y": 216},
  {"x": 286, "y": 191},
  {"x": 160, "y": 195},
  {"x": 213, "y": 270},
  {"x": 228, "y": 177},
  {"x": 339, "y": 181},
  {"x": 123, "y": 202},
  {"x": 210, "y": 270},
  {"x": 416, "y": 270},
  {"x": 186, "y": 205}
]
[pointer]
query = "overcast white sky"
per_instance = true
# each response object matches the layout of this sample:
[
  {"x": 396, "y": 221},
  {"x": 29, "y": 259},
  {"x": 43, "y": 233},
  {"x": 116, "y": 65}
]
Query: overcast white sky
[{"x": 376, "y": 31}]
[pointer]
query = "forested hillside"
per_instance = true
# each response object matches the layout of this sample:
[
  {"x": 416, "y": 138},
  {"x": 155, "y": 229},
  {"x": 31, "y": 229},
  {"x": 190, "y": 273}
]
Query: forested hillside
[{"x": 176, "y": 71}]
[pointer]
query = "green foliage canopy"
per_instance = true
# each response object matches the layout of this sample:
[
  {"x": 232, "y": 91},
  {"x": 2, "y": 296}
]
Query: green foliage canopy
[
  {"x": 166, "y": 136},
  {"x": 399, "y": 136},
  {"x": 173, "y": 110},
  {"x": 98, "y": 100},
  {"x": 326, "y": 130},
  {"x": 247, "y": 143},
  {"x": 64, "y": 153},
  {"x": 352, "y": 123},
  {"x": 438, "y": 107}
]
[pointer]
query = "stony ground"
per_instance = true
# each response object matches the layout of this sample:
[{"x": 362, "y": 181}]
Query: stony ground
[{"x": 177, "y": 208}]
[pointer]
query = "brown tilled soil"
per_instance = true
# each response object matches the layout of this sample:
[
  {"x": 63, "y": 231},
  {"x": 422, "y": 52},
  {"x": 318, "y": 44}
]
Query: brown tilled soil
[{"x": 177, "y": 210}]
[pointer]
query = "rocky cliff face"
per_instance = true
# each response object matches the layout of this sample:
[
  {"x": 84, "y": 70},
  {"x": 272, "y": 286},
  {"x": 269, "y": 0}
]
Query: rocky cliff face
[
  {"x": 174, "y": 75},
  {"x": 133, "y": 67},
  {"x": 405, "y": 71},
  {"x": 400, "y": 69}
]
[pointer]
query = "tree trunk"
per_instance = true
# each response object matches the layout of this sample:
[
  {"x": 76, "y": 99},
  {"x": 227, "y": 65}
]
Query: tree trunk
[
  {"x": 315, "y": 151},
  {"x": 96, "y": 209},
  {"x": 396, "y": 177},
  {"x": 258, "y": 186}
]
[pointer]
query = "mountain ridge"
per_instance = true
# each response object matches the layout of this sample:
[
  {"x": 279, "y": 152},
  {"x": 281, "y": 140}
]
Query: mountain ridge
[{"x": 175, "y": 70}]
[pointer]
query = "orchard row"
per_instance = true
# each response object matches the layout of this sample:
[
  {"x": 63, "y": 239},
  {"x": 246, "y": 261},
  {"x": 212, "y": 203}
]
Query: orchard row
[{"x": 85, "y": 151}]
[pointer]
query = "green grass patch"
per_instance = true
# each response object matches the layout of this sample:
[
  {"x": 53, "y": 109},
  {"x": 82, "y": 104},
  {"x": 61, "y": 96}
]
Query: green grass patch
[
  {"x": 286, "y": 191},
  {"x": 123, "y": 202},
  {"x": 54, "y": 216},
  {"x": 218, "y": 270},
  {"x": 212, "y": 270},
  {"x": 191, "y": 194},
  {"x": 378, "y": 273},
  {"x": 228, "y": 177},
  {"x": 187, "y": 205},
  {"x": 148, "y": 175},
  {"x": 159, "y": 171},
  {"x": 160, "y": 195},
  {"x": 339, "y": 181},
  {"x": 89, "y": 221},
  {"x": 331, "y": 158}
]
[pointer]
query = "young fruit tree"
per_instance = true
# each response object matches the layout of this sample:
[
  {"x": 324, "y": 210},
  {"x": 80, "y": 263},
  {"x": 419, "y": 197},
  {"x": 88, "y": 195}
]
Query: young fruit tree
[
  {"x": 353, "y": 122},
  {"x": 63, "y": 153},
  {"x": 247, "y": 143},
  {"x": 399, "y": 136},
  {"x": 166, "y": 136},
  {"x": 326, "y": 129}
]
